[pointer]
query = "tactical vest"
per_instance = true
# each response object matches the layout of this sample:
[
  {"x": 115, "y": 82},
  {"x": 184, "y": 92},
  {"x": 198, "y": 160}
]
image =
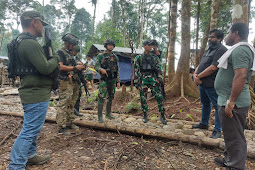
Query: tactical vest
[
  {"x": 148, "y": 64},
  {"x": 110, "y": 64},
  {"x": 63, "y": 75},
  {"x": 14, "y": 66}
]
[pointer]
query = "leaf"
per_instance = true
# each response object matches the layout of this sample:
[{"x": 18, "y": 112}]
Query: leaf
[
  {"x": 189, "y": 116},
  {"x": 135, "y": 143},
  {"x": 172, "y": 116},
  {"x": 180, "y": 110}
]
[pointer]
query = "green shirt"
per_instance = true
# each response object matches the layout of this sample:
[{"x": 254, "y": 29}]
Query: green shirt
[
  {"x": 241, "y": 57},
  {"x": 35, "y": 88}
]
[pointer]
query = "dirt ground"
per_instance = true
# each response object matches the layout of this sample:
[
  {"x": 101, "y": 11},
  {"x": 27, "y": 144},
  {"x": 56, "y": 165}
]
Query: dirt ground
[{"x": 92, "y": 149}]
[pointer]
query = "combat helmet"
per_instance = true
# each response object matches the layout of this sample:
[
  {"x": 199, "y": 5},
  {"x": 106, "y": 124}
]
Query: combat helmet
[
  {"x": 109, "y": 41},
  {"x": 70, "y": 38}
]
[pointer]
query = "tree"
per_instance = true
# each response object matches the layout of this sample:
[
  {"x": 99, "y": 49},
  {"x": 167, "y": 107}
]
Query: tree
[
  {"x": 172, "y": 39},
  {"x": 94, "y": 2},
  {"x": 240, "y": 11},
  {"x": 81, "y": 26},
  {"x": 141, "y": 23},
  {"x": 123, "y": 16},
  {"x": 69, "y": 10},
  {"x": 16, "y": 8},
  {"x": 177, "y": 86}
]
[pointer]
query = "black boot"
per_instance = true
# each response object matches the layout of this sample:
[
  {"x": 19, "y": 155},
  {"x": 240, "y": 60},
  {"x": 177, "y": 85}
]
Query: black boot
[
  {"x": 145, "y": 119},
  {"x": 77, "y": 108},
  {"x": 77, "y": 113},
  {"x": 163, "y": 118},
  {"x": 109, "y": 110},
  {"x": 100, "y": 113}
]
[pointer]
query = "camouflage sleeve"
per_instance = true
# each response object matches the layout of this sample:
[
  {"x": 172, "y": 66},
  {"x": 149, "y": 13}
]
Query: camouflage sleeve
[
  {"x": 118, "y": 74},
  {"x": 137, "y": 70},
  {"x": 158, "y": 67},
  {"x": 98, "y": 63}
]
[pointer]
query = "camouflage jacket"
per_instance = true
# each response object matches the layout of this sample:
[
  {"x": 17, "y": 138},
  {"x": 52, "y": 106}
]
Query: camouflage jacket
[{"x": 137, "y": 69}]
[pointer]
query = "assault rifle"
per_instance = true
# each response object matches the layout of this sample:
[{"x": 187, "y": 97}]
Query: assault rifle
[
  {"x": 49, "y": 54},
  {"x": 81, "y": 79}
]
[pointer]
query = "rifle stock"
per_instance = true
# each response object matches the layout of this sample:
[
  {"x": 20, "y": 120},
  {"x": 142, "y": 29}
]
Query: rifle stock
[{"x": 48, "y": 50}]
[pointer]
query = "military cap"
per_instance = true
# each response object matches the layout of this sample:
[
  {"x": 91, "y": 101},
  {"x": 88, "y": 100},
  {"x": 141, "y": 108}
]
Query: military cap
[
  {"x": 27, "y": 15},
  {"x": 147, "y": 42},
  {"x": 77, "y": 48}
]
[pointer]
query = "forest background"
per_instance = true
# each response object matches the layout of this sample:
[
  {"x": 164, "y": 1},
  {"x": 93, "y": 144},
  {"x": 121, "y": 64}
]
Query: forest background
[{"x": 129, "y": 23}]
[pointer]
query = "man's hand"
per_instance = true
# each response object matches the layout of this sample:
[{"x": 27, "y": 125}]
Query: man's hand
[
  {"x": 103, "y": 71},
  {"x": 118, "y": 85},
  {"x": 197, "y": 81},
  {"x": 229, "y": 108},
  {"x": 80, "y": 67}
]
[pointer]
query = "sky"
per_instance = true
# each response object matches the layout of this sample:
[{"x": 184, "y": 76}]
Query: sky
[{"x": 103, "y": 6}]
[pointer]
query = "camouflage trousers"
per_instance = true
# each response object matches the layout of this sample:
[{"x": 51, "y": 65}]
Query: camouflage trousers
[
  {"x": 151, "y": 83},
  {"x": 105, "y": 92},
  {"x": 68, "y": 95}
]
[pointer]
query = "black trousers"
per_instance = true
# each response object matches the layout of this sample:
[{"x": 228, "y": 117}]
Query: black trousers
[{"x": 233, "y": 130}]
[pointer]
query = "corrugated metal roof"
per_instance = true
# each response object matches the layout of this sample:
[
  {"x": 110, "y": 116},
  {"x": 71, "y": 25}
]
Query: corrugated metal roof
[
  {"x": 96, "y": 48},
  {"x": 3, "y": 57}
]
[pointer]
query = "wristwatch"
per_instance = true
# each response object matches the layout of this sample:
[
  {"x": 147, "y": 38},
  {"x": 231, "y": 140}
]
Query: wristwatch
[{"x": 230, "y": 103}]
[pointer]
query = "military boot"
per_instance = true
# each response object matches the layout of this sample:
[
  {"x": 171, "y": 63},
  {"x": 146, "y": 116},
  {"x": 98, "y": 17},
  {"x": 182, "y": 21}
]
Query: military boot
[
  {"x": 77, "y": 109},
  {"x": 77, "y": 113},
  {"x": 163, "y": 117},
  {"x": 109, "y": 110},
  {"x": 63, "y": 131},
  {"x": 38, "y": 160},
  {"x": 145, "y": 118},
  {"x": 100, "y": 113}
]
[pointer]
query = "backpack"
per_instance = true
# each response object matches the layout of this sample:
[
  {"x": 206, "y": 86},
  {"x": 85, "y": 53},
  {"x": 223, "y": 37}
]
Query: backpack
[{"x": 14, "y": 67}]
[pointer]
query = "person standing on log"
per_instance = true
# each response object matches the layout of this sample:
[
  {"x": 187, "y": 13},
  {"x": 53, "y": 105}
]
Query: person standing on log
[
  {"x": 34, "y": 90},
  {"x": 148, "y": 74},
  {"x": 68, "y": 86},
  {"x": 107, "y": 65},
  {"x": 204, "y": 77},
  {"x": 232, "y": 87}
]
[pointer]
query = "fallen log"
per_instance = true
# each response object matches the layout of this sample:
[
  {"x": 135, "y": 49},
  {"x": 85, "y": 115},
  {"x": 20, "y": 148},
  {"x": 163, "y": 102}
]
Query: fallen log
[{"x": 145, "y": 130}]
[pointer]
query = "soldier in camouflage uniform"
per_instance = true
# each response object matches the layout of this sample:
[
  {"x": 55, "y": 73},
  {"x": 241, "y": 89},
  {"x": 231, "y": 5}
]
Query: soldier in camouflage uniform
[
  {"x": 107, "y": 65},
  {"x": 148, "y": 74},
  {"x": 68, "y": 86}
]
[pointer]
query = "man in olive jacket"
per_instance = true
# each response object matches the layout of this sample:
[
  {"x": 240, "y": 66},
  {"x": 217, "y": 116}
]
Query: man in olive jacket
[{"x": 34, "y": 91}]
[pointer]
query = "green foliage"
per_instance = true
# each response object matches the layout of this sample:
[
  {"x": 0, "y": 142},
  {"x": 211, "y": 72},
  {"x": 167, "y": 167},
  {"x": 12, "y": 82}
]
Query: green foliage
[
  {"x": 93, "y": 96},
  {"x": 133, "y": 105},
  {"x": 53, "y": 103},
  {"x": 82, "y": 27},
  {"x": 190, "y": 116},
  {"x": 153, "y": 116},
  {"x": 105, "y": 31}
]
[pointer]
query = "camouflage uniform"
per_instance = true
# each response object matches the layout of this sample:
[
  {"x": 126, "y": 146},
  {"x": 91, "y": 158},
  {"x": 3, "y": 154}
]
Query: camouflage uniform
[
  {"x": 68, "y": 93},
  {"x": 108, "y": 84},
  {"x": 148, "y": 71}
]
